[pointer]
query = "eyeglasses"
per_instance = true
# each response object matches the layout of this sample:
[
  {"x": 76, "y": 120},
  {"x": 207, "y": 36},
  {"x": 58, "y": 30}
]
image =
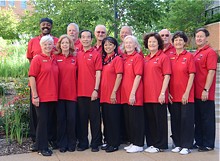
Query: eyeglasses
[
  {"x": 102, "y": 32},
  {"x": 167, "y": 35}
]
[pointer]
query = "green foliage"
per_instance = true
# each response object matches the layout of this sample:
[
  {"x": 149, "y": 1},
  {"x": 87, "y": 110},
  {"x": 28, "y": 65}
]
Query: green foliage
[
  {"x": 215, "y": 18},
  {"x": 13, "y": 61},
  {"x": 8, "y": 25},
  {"x": 184, "y": 15},
  {"x": 15, "y": 118}
]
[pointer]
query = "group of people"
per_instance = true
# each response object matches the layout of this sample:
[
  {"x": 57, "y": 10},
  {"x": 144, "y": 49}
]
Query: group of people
[{"x": 74, "y": 84}]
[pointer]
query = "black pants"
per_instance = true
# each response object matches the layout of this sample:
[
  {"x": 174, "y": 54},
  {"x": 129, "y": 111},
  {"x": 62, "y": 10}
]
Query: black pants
[
  {"x": 66, "y": 124},
  {"x": 156, "y": 125},
  {"x": 134, "y": 124},
  {"x": 111, "y": 121},
  {"x": 182, "y": 124},
  {"x": 205, "y": 123},
  {"x": 123, "y": 131},
  {"x": 33, "y": 120},
  {"x": 89, "y": 111},
  {"x": 44, "y": 126}
]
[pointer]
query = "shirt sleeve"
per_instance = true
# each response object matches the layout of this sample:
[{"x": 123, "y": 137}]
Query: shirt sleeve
[
  {"x": 34, "y": 67},
  {"x": 191, "y": 65},
  {"x": 211, "y": 62},
  {"x": 29, "y": 54},
  {"x": 166, "y": 65},
  {"x": 98, "y": 62},
  {"x": 139, "y": 65},
  {"x": 119, "y": 66}
]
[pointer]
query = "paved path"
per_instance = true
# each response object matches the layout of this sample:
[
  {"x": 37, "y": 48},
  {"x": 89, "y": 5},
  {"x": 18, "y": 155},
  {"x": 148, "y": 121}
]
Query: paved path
[{"x": 121, "y": 155}]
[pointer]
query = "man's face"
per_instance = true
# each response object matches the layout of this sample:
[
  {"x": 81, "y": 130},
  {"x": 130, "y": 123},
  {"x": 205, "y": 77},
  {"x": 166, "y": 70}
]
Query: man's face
[
  {"x": 72, "y": 32},
  {"x": 201, "y": 39},
  {"x": 165, "y": 35},
  {"x": 45, "y": 27},
  {"x": 100, "y": 33},
  {"x": 86, "y": 39},
  {"x": 125, "y": 31}
]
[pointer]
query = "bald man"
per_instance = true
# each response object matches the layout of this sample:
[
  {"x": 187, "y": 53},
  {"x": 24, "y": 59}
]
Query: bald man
[
  {"x": 100, "y": 33},
  {"x": 166, "y": 37}
]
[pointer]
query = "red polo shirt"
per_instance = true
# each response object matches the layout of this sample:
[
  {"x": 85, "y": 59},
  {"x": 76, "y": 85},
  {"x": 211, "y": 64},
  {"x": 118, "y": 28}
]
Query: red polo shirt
[
  {"x": 154, "y": 70},
  {"x": 170, "y": 50},
  {"x": 88, "y": 63},
  {"x": 182, "y": 65},
  {"x": 99, "y": 49},
  {"x": 205, "y": 60},
  {"x": 109, "y": 74},
  {"x": 34, "y": 47},
  {"x": 78, "y": 46},
  {"x": 67, "y": 77},
  {"x": 45, "y": 70},
  {"x": 133, "y": 65}
]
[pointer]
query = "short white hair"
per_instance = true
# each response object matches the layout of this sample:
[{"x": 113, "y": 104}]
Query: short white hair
[
  {"x": 138, "y": 48},
  {"x": 75, "y": 25},
  {"x": 102, "y": 26},
  {"x": 45, "y": 39}
]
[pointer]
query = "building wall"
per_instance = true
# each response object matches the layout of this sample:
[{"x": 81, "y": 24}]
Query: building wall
[
  {"x": 18, "y": 6},
  {"x": 214, "y": 38}
]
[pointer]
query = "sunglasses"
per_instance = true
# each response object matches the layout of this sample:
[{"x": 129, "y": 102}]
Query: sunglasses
[
  {"x": 167, "y": 35},
  {"x": 102, "y": 32}
]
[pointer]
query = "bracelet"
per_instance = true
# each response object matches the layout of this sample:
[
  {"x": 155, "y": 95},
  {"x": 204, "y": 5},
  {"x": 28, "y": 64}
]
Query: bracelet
[
  {"x": 206, "y": 90},
  {"x": 162, "y": 94},
  {"x": 35, "y": 97},
  {"x": 96, "y": 90}
]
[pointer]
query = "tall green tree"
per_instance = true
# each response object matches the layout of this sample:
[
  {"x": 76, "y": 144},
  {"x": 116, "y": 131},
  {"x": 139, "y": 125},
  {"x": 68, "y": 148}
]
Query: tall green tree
[{"x": 8, "y": 24}]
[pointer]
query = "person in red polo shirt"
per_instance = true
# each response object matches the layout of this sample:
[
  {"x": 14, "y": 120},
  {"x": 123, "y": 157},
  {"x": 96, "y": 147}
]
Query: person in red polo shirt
[
  {"x": 89, "y": 63},
  {"x": 157, "y": 71},
  {"x": 166, "y": 37},
  {"x": 34, "y": 49},
  {"x": 125, "y": 31},
  {"x": 206, "y": 63},
  {"x": 132, "y": 95},
  {"x": 100, "y": 33},
  {"x": 66, "y": 108},
  {"x": 73, "y": 32},
  {"x": 43, "y": 77},
  {"x": 181, "y": 91},
  {"x": 110, "y": 95}
]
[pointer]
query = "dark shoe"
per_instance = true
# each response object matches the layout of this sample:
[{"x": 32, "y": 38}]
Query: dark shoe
[
  {"x": 71, "y": 149},
  {"x": 205, "y": 149},
  {"x": 111, "y": 149},
  {"x": 63, "y": 150},
  {"x": 33, "y": 148},
  {"x": 81, "y": 148},
  {"x": 96, "y": 149},
  {"x": 45, "y": 152},
  {"x": 104, "y": 146}
]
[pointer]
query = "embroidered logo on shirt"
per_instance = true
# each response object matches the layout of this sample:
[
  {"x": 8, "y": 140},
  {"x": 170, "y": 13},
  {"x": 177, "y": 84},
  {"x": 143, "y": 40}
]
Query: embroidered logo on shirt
[
  {"x": 73, "y": 61},
  {"x": 60, "y": 60},
  {"x": 184, "y": 60},
  {"x": 44, "y": 60},
  {"x": 172, "y": 58},
  {"x": 156, "y": 60}
]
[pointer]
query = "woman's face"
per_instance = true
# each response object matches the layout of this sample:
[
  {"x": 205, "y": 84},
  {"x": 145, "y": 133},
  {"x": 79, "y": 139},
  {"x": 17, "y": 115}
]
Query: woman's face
[
  {"x": 130, "y": 45},
  {"x": 179, "y": 43},
  {"x": 47, "y": 47},
  {"x": 153, "y": 44},
  {"x": 201, "y": 39},
  {"x": 65, "y": 44},
  {"x": 109, "y": 47}
]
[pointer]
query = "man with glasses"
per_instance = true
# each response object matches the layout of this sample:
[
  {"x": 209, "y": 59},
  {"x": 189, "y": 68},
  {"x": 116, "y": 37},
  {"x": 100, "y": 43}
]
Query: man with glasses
[
  {"x": 166, "y": 37},
  {"x": 100, "y": 33}
]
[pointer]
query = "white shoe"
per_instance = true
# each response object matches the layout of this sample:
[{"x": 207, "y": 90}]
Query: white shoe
[
  {"x": 176, "y": 150},
  {"x": 135, "y": 149},
  {"x": 152, "y": 149},
  {"x": 185, "y": 151},
  {"x": 128, "y": 147}
]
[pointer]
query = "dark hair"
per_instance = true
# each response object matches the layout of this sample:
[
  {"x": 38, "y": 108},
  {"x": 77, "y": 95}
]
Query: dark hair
[
  {"x": 111, "y": 40},
  {"x": 157, "y": 36},
  {"x": 203, "y": 30},
  {"x": 46, "y": 20},
  {"x": 80, "y": 34},
  {"x": 180, "y": 34}
]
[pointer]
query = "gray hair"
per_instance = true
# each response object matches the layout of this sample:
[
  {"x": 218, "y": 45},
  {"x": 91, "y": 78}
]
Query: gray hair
[
  {"x": 75, "y": 25},
  {"x": 100, "y": 26},
  {"x": 45, "y": 39},
  {"x": 138, "y": 48}
]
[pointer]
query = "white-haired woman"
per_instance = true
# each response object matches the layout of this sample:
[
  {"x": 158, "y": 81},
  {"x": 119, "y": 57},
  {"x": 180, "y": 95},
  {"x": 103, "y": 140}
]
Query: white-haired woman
[
  {"x": 132, "y": 95},
  {"x": 43, "y": 77}
]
